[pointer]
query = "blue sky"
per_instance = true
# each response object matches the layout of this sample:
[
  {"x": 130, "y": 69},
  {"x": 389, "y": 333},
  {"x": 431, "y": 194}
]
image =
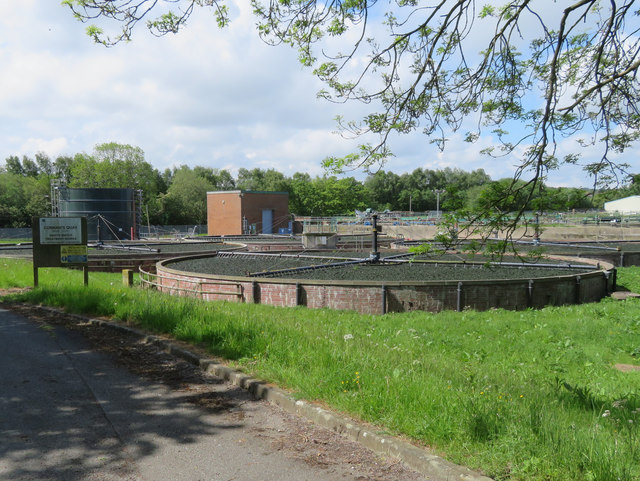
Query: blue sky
[{"x": 210, "y": 97}]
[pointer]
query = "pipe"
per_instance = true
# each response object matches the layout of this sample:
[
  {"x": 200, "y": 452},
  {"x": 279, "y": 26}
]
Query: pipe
[
  {"x": 126, "y": 248},
  {"x": 501, "y": 264},
  {"x": 289, "y": 256},
  {"x": 298, "y": 294},
  {"x": 375, "y": 255},
  {"x": 308, "y": 268},
  {"x": 255, "y": 293},
  {"x": 562, "y": 244}
]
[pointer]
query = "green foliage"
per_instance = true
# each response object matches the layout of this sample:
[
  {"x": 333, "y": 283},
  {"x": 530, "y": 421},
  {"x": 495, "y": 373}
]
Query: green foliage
[
  {"x": 178, "y": 195},
  {"x": 529, "y": 73},
  {"x": 520, "y": 395},
  {"x": 629, "y": 279},
  {"x": 326, "y": 196},
  {"x": 262, "y": 180},
  {"x": 115, "y": 165},
  {"x": 186, "y": 199},
  {"x": 572, "y": 49},
  {"x": 21, "y": 198}
]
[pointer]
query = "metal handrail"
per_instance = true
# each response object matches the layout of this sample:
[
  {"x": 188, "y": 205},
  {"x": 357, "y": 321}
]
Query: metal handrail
[{"x": 145, "y": 280}]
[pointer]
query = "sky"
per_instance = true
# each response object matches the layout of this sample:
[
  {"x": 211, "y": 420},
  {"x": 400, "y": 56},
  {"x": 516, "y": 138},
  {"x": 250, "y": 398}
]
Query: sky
[{"x": 215, "y": 98}]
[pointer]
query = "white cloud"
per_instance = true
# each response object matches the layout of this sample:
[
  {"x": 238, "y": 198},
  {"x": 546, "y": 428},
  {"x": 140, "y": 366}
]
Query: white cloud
[
  {"x": 217, "y": 98},
  {"x": 53, "y": 147}
]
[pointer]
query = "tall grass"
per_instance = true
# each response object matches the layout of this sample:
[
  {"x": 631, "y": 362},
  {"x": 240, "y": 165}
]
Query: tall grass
[{"x": 529, "y": 395}]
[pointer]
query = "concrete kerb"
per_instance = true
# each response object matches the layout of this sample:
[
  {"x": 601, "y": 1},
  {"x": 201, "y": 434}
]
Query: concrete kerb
[{"x": 432, "y": 466}]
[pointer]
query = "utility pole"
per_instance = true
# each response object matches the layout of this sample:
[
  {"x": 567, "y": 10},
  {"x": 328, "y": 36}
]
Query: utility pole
[{"x": 438, "y": 192}]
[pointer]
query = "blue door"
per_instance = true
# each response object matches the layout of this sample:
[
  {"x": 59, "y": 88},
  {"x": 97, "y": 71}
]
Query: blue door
[{"x": 267, "y": 221}]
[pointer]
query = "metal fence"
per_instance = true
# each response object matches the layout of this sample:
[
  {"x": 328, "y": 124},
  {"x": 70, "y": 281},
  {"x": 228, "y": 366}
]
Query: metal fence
[
  {"x": 15, "y": 233},
  {"x": 159, "y": 231},
  {"x": 144, "y": 232},
  {"x": 149, "y": 280}
]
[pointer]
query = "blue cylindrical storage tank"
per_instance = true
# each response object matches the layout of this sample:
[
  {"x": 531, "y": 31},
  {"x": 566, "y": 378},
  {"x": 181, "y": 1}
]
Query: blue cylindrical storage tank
[{"x": 110, "y": 213}]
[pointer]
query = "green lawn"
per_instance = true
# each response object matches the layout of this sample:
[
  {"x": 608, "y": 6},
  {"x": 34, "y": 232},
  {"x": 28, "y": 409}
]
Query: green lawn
[{"x": 528, "y": 395}]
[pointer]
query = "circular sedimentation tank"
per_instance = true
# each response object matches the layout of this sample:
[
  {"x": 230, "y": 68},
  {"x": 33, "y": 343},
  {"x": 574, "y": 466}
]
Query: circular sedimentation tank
[{"x": 394, "y": 284}]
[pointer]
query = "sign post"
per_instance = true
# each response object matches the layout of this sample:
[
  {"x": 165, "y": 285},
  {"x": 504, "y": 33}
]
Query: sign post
[{"x": 60, "y": 242}]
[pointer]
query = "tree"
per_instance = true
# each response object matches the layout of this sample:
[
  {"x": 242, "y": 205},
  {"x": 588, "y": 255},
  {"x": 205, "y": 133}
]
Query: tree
[
  {"x": 383, "y": 188},
  {"x": 116, "y": 166},
  {"x": 12, "y": 200},
  {"x": 28, "y": 167},
  {"x": 62, "y": 168},
  {"x": 219, "y": 179},
  {"x": 302, "y": 194},
  {"x": 262, "y": 180},
  {"x": 45, "y": 166},
  {"x": 186, "y": 199},
  {"x": 121, "y": 166},
  {"x": 582, "y": 57},
  {"x": 335, "y": 196},
  {"x": 531, "y": 72},
  {"x": 457, "y": 184},
  {"x": 13, "y": 165},
  {"x": 22, "y": 197}
]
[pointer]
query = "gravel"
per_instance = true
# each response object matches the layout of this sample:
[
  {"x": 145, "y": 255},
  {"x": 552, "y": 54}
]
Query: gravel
[{"x": 233, "y": 265}]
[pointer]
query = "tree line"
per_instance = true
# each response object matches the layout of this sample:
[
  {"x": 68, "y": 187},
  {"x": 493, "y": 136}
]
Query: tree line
[
  {"x": 530, "y": 74},
  {"x": 177, "y": 196}
]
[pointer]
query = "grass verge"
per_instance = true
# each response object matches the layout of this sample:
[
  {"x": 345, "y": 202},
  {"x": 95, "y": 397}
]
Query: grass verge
[{"x": 530, "y": 395}]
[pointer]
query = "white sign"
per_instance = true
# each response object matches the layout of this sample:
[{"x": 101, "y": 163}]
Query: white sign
[{"x": 60, "y": 230}]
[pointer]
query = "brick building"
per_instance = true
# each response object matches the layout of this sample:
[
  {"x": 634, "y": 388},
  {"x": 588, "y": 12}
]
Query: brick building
[{"x": 238, "y": 212}]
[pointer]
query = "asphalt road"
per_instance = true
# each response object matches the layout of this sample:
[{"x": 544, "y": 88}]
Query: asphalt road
[{"x": 68, "y": 412}]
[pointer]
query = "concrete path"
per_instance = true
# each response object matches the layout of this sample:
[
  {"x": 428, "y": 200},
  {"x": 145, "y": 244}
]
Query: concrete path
[{"x": 70, "y": 413}]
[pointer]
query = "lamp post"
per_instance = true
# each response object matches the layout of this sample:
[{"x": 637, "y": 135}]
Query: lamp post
[{"x": 438, "y": 192}]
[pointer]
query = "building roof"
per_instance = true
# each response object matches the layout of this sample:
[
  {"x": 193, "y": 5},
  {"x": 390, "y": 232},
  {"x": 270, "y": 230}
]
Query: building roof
[
  {"x": 625, "y": 204},
  {"x": 247, "y": 192}
]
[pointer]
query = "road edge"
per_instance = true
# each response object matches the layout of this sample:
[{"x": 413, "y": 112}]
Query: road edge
[{"x": 419, "y": 459}]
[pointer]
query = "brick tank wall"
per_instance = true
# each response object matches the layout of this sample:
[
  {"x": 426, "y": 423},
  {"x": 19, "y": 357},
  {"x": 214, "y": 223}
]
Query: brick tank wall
[{"x": 378, "y": 297}]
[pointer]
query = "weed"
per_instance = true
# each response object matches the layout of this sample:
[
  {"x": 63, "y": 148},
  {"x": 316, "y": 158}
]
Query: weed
[{"x": 522, "y": 396}]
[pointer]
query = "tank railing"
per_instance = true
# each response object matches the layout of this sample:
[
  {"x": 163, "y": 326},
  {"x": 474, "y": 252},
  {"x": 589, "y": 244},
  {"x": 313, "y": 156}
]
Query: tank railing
[
  {"x": 309, "y": 268},
  {"x": 263, "y": 255},
  {"x": 123, "y": 247},
  {"x": 465, "y": 263},
  {"x": 397, "y": 256},
  {"x": 150, "y": 280},
  {"x": 564, "y": 244},
  {"x": 249, "y": 237}
]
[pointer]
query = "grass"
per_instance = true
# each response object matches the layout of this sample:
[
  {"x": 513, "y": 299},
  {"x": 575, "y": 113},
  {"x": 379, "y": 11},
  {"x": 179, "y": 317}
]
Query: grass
[{"x": 528, "y": 395}]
